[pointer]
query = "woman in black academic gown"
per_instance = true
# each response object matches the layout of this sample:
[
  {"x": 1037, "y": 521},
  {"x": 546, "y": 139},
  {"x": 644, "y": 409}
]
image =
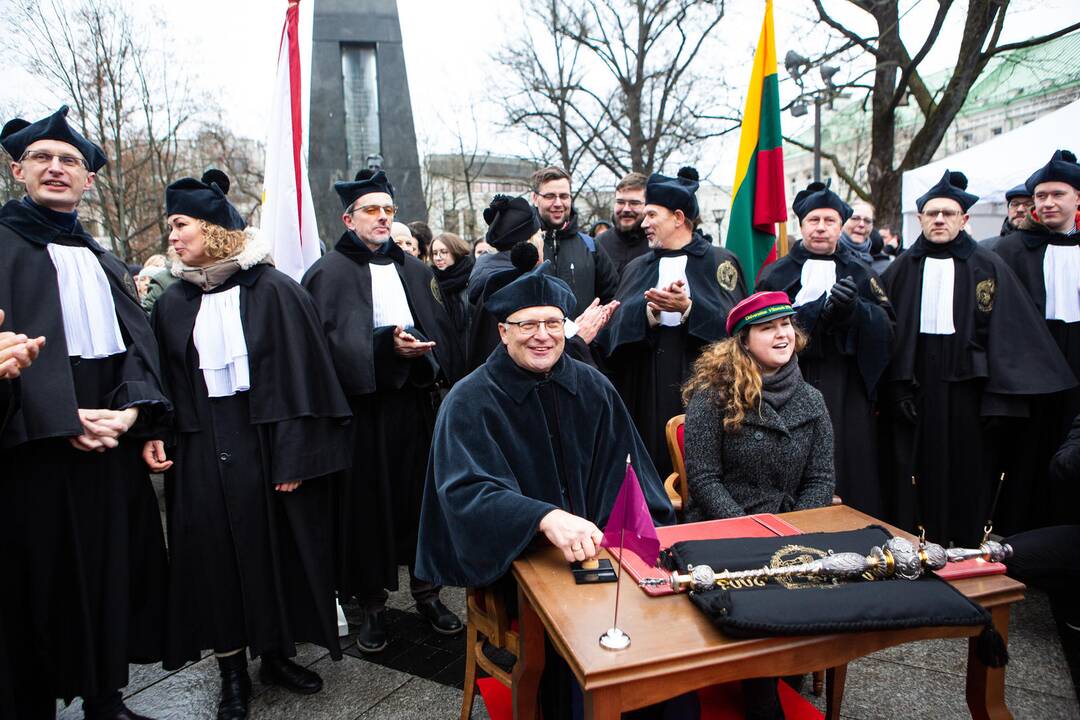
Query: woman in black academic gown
[{"x": 260, "y": 422}]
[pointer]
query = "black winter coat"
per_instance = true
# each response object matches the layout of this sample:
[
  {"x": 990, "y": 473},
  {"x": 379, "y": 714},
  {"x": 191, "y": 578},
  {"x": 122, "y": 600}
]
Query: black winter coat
[{"x": 590, "y": 274}]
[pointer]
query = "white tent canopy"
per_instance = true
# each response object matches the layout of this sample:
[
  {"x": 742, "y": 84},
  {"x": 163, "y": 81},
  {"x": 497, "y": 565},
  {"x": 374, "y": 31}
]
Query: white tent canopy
[{"x": 993, "y": 167}]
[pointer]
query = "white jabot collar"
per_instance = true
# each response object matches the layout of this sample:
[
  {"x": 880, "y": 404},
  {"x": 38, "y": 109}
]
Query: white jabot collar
[
  {"x": 817, "y": 279},
  {"x": 936, "y": 305},
  {"x": 90, "y": 325},
  {"x": 672, "y": 268},
  {"x": 219, "y": 340},
  {"x": 1061, "y": 275},
  {"x": 389, "y": 304}
]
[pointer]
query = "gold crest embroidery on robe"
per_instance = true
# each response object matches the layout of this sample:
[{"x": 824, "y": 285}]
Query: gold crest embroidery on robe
[
  {"x": 984, "y": 295},
  {"x": 727, "y": 276}
]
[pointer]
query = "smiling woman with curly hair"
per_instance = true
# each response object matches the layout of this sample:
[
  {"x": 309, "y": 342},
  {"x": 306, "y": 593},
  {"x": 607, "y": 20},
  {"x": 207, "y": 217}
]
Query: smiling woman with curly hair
[{"x": 758, "y": 437}]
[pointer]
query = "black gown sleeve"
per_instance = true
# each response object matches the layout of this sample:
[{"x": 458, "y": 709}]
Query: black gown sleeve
[{"x": 607, "y": 277}]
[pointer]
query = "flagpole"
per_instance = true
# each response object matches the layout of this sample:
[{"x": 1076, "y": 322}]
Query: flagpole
[{"x": 614, "y": 638}]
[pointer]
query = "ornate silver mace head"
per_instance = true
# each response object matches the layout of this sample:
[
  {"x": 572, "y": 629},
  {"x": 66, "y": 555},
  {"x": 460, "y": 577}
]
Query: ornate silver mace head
[{"x": 990, "y": 551}]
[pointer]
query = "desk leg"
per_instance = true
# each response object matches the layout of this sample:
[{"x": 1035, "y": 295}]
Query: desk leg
[
  {"x": 530, "y": 663},
  {"x": 604, "y": 704},
  {"x": 986, "y": 685},
  {"x": 835, "y": 677}
]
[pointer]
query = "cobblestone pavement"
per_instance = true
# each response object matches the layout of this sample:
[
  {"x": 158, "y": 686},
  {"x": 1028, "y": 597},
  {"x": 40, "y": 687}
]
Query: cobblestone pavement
[{"x": 419, "y": 677}]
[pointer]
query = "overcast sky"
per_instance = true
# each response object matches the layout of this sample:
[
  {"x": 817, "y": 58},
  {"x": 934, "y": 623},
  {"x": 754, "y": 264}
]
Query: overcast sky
[{"x": 228, "y": 48}]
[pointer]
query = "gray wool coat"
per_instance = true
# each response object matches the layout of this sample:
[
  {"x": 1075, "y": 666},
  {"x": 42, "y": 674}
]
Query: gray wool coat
[{"x": 775, "y": 462}]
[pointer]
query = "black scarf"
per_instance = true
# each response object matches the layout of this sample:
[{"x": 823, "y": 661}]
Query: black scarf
[
  {"x": 351, "y": 246},
  {"x": 455, "y": 277},
  {"x": 63, "y": 221},
  {"x": 961, "y": 247},
  {"x": 777, "y": 389}
]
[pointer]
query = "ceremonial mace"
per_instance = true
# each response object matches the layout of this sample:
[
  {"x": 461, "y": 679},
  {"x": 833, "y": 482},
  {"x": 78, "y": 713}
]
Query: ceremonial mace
[{"x": 897, "y": 557}]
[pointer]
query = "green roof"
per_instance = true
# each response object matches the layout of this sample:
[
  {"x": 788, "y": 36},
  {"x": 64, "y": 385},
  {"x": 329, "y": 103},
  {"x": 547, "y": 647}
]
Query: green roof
[{"x": 1009, "y": 77}]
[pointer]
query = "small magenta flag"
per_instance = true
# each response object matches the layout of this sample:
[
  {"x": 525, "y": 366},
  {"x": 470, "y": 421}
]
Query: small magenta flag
[{"x": 630, "y": 524}]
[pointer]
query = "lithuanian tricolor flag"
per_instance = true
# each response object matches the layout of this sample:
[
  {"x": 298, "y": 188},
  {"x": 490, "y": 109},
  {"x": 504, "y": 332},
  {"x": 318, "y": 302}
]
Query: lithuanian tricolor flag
[{"x": 757, "y": 199}]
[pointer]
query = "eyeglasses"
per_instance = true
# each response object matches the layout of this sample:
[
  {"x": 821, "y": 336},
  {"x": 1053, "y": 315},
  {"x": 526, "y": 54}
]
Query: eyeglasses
[
  {"x": 947, "y": 214},
  {"x": 629, "y": 203},
  {"x": 440, "y": 253},
  {"x": 373, "y": 210},
  {"x": 531, "y": 327},
  {"x": 862, "y": 219},
  {"x": 40, "y": 157},
  {"x": 551, "y": 197},
  {"x": 1017, "y": 204}
]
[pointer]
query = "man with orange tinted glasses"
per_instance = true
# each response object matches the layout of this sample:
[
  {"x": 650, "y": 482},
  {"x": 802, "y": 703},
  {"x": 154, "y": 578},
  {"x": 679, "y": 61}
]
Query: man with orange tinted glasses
[{"x": 393, "y": 347}]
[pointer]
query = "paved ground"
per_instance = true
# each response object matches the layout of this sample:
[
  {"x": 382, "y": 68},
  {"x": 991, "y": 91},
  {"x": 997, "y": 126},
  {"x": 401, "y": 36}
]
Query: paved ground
[{"x": 419, "y": 678}]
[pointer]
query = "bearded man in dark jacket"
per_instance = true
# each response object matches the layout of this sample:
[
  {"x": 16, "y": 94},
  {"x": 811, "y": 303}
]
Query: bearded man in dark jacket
[
  {"x": 626, "y": 239},
  {"x": 578, "y": 261},
  {"x": 1045, "y": 255}
]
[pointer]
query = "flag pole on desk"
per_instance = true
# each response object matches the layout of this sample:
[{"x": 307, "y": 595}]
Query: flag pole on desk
[{"x": 631, "y": 527}]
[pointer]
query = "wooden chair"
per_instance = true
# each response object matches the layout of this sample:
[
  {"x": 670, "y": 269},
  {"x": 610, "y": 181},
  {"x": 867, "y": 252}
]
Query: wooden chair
[
  {"x": 675, "y": 484},
  {"x": 678, "y": 492},
  {"x": 487, "y": 620}
]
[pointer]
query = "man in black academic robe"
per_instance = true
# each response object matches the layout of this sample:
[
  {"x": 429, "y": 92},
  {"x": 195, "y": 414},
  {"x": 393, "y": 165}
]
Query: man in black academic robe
[
  {"x": 80, "y": 532},
  {"x": 844, "y": 312},
  {"x": 970, "y": 352},
  {"x": 674, "y": 301},
  {"x": 625, "y": 240},
  {"x": 17, "y": 352},
  {"x": 1044, "y": 252},
  {"x": 505, "y": 484},
  {"x": 393, "y": 346}
]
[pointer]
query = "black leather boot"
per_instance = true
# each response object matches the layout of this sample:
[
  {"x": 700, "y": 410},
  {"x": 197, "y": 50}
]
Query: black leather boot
[
  {"x": 235, "y": 687},
  {"x": 276, "y": 670},
  {"x": 441, "y": 618},
  {"x": 371, "y": 637}
]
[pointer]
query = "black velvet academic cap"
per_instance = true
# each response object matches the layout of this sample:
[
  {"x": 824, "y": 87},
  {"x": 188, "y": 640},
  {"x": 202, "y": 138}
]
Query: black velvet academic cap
[
  {"x": 1018, "y": 191},
  {"x": 674, "y": 193},
  {"x": 1061, "y": 168},
  {"x": 510, "y": 220},
  {"x": 818, "y": 196},
  {"x": 366, "y": 181},
  {"x": 536, "y": 288},
  {"x": 204, "y": 200},
  {"x": 18, "y": 134},
  {"x": 952, "y": 185}
]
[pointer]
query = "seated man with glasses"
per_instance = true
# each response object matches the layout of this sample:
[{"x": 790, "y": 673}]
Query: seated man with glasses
[
  {"x": 531, "y": 447},
  {"x": 971, "y": 350},
  {"x": 393, "y": 345}
]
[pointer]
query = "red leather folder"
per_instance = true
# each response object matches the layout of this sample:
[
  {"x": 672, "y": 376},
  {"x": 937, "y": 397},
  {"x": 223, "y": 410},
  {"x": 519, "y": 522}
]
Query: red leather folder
[
  {"x": 763, "y": 525},
  {"x": 969, "y": 568}
]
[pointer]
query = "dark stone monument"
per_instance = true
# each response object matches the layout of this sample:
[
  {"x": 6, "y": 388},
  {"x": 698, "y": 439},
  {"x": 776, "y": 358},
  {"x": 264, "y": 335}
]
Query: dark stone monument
[{"x": 360, "y": 109}]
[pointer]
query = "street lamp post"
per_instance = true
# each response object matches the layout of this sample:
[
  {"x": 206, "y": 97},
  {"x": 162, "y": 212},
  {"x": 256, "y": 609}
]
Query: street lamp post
[{"x": 797, "y": 67}]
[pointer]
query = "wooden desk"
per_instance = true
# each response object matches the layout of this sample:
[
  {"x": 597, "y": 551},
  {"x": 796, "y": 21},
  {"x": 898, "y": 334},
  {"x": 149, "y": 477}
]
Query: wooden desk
[{"x": 675, "y": 649}]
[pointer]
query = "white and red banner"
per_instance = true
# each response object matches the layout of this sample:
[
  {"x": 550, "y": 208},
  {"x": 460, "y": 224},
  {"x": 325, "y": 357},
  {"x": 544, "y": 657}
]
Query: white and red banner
[{"x": 288, "y": 216}]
